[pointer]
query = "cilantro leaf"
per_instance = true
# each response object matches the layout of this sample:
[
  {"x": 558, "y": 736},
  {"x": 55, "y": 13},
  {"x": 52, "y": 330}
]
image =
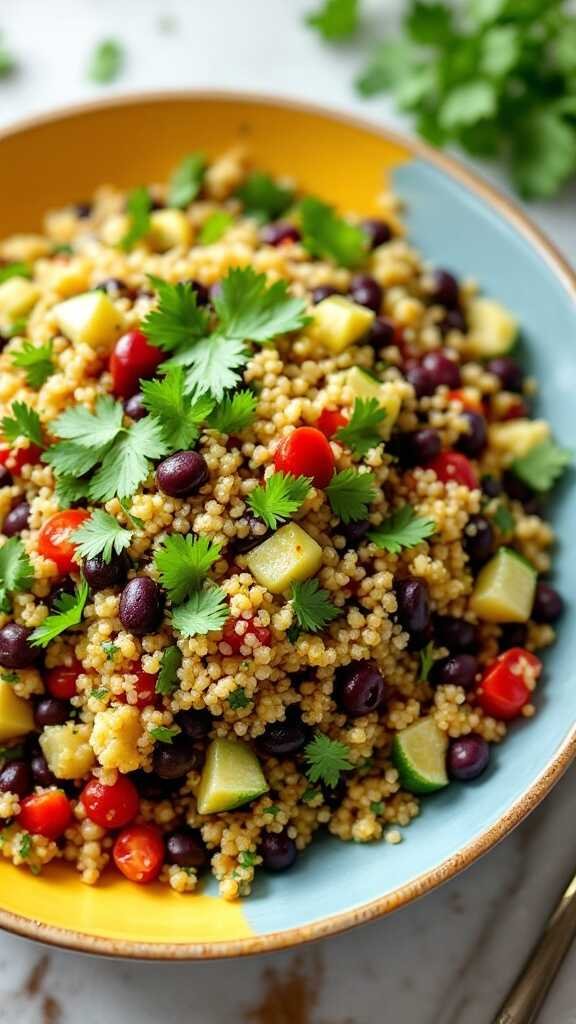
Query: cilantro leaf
[
  {"x": 427, "y": 659},
  {"x": 279, "y": 497},
  {"x": 24, "y": 422},
  {"x": 177, "y": 321},
  {"x": 215, "y": 226},
  {"x": 312, "y": 606},
  {"x": 428, "y": 23},
  {"x": 238, "y": 699},
  {"x": 106, "y": 62},
  {"x": 362, "y": 432},
  {"x": 503, "y": 518},
  {"x": 263, "y": 197},
  {"x": 543, "y": 153},
  {"x": 328, "y": 236},
  {"x": 350, "y": 494},
  {"x": 163, "y": 733},
  {"x": 70, "y": 608},
  {"x": 167, "y": 680},
  {"x": 467, "y": 104},
  {"x": 179, "y": 414},
  {"x": 135, "y": 521},
  {"x": 234, "y": 413},
  {"x": 138, "y": 206},
  {"x": 25, "y": 846},
  {"x": 212, "y": 365},
  {"x": 16, "y": 572},
  {"x": 19, "y": 269},
  {"x": 110, "y": 649},
  {"x": 542, "y": 465},
  {"x": 127, "y": 463},
  {"x": 403, "y": 529},
  {"x": 335, "y": 19},
  {"x": 91, "y": 429},
  {"x": 186, "y": 181},
  {"x": 184, "y": 563},
  {"x": 101, "y": 534},
  {"x": 251, "y": 310},
  {"x": 204, "y": 612},
  {"x": 392, "y": 63},
  {"x": 36, "y": 361},
  {"x": 69, "y": 461},
  {"x": 327, "y": 759}
]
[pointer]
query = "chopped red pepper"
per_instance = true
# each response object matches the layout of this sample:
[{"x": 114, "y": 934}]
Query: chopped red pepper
[
  {"x": 507, "y": 685},
  {"x": 15, "y": 458},
  {"x": 306, "y": 452},
  {"x": 46, "y": 814},
  {"x": 453, "y": 467},
  {"x": 330, "y": 421}
]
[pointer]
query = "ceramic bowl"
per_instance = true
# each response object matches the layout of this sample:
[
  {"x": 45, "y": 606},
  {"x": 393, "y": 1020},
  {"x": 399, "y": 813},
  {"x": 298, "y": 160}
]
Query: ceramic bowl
[{"x": 459, "y": 223}]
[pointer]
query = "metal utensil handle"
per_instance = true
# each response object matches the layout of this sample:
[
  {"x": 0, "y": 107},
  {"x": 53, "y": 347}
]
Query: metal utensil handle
[{"x": 531, "y": 987}]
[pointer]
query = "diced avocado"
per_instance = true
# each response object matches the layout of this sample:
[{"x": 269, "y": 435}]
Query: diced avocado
[
  {"x": 16, "y": 718},
  {"x": 231, "y": 777},
  {"x": 17, "y": 296},
  {"x": 388, "y": 394},
  {"x": 504, "y": 590},
  {"x": 67, "y": 750},
  {"x": 492, "y": 329},
  {"x": 419, "y": 753},
  {"x": 90, "y": 319},
  {"x": 515, "y": 438},
  {"x": 168, "y": 229},
  {"x": 289, "y": 556},
  {"x": 338, "y": 322}
]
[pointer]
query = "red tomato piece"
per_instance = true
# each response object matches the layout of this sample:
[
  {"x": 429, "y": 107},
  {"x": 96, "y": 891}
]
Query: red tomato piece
[
  {"x": 242, "y": 635},
  {"x": 111, "y": 806},
  {"x": 145, "y": 686},
  {"x": 61, "y": 682},
  {"x": 306, "y": 452},
  {"x": 451, "y": 466},
  {"x": 507, "y": 685},
  {"x": 54, "y": 537},
  {"x": 139, "y": 853},
  {"x": 330, "y": 421},
  {"x": 133, "y": 358},
  {"x": 466, "y": 402},
  {"x": 46, "y": 814},
  {"x": 15, "y": 458}
]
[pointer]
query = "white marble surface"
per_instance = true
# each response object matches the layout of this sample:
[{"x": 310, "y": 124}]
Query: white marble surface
[{"x": 449, "y": 958}]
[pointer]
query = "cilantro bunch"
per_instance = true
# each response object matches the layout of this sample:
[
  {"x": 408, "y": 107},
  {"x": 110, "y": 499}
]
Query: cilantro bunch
[{"x": 496, "y": 77}]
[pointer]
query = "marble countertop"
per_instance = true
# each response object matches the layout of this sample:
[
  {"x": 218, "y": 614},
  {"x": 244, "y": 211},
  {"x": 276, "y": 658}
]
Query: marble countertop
[{"x": 449, "y": 958}]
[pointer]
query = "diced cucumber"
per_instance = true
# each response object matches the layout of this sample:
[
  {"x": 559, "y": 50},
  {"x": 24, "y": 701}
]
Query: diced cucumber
[
  {"x": 90, "y": 319},
  {"x": 16, "y": 718},
  {"x": 504, "y": 590},
  {"x": 492, "y": 329},
  {"x": 231, "y": 777},
  {"x": 289, "y": 556},
  {"x": 387, "y": 393},
  {"x": 515, "y": 438},
  {"x": 338, "y": 322},
  {"x": 419, "y": 753},
  {"x": 168, "y": 229}
]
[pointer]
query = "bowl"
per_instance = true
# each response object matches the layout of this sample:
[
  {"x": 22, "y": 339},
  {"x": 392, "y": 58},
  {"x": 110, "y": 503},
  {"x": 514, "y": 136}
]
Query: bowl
[{"x": 459, "y": 223}]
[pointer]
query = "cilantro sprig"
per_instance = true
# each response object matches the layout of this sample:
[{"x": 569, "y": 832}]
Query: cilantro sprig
[
  {"x": 428, "y": 656},
  {"x": 167, "y": 680},
  {"x": 350, "y": 494},
  {"x": 326, "y": 760},
  {"x": 16, "y": 572},
  {"x": 180, "y": 414},
  {"x": 335, "y": 19},
  {"x": 362, "y": 432},
  {"x": 36, "y": 361},
  {"x": 279, "y": 497},
  {"x": 403, "y": 529},
  {"x": 164, "y": 733},
  {"x": 69, "y": 611},
  {"x": 186, "y": 181},
  {"x": 16, "y": 269},
  {"x": 184, "y": 563},
  {"x": 178, "y": 321},
  {"x": 542, "y": 466},
  {"x": 234, "y": 413},
  {"x": 101, "y": 534},
  {"x": 215, "y": 226},
  {"x": 205, "y": 612},
  {"x": 263, "y": 197},
  {"x": 24, "y": 422},
  {"x": 312, "y": 606},
  {"x": 138, "y": 207},
  {"x": 328, "y": 236}
]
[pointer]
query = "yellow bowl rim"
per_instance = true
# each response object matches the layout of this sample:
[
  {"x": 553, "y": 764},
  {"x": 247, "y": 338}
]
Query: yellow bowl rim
[{"x": 65, "y": 938}]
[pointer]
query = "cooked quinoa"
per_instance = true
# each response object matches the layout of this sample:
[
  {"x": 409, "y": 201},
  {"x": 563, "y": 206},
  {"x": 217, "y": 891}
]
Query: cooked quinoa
[{"x": 320, "y": 658}]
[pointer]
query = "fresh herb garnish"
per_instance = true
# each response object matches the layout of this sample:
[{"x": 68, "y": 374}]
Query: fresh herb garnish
[
  {"x": 14, "y": 753},
  {"x": 328, "y": 236},
  {"x": 135, "y": 521},
  {"x": 163, "y": 733},
  {"x": 106, "y": 61},
  {"x": 238, "y": 699},
  {"x": 541, "y": 467},
  {"x": 186, "y": 181},
  {"x": 19, "y": 269},
  {"x": 167, "y": 680},
  {"x": 503, "y": 518},
  {"x": 234, "y": 413},
  {"x": 179, "y": 414},
  {"x": 428, "y": 656},
  {"x": 99, "y": 694},
  {"x": 377, "y": 807},
  {"x": 10, "y": 677},
  {"x": 69, "y": 613},
  {"x": 16, "y": 573},
  {"x": 69, "y": 489},
  {"x": 403, "y": 529},
  {"x": 178, "y": 321},
  {"x": 215, "y": 226},
  {"x": 335, "y": 19},
  {"x": 279, "y": 497},
  {"x": 274, "y": 810},
  {"x": 36, "y": 361},
  {"x": 251, "y": 310},
  {"x": 362, "y": 432},
  {"x": 101, "y": 534},
  {"x": 184, "y": 563},
  {"x": 24, "y": 422},
  {"x": 8, "y": 62},
  {"x": 25, "y": 846},
  {"x": 350, "y": 494},
  {"x": 110, "y": 650},
  {"x": 138, "y": 206},
  {"x": 263, "y": 197},
  {"x": 312, "y": 606},
  {"x": 246, "y": 859},
  {"x": 204, "y": 612},
  {"x": 326, "y": 759}
]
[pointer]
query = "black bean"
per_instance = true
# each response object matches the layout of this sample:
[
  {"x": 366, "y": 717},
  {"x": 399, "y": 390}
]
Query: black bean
[
  {"x": 442, "y": 370},
  {"x": 114, "y": 287},
  {"x": 420, "y": 446},
  {"x": 100, "y": 574},
  {"x": 134, "y": 407},
  {"x": 195, "y": 724},
  {"x": 473, "y": 441},
  {"x": 359, "y": 688},
  {"x": 377, "y": 231},
  {"x": 366, "y": 292},
  {"x": 15, "y": 649},
  {"x": 457, "y": 635},
  {"x": 478, "y": 540},
  {"x": 280, "y": 739},
  {"x": 51, "y": 711},
  {"x": 15, "y": 777},
  {"x": 382, "y": 333},
  {"x": 355, "y": 532},
  {"x": 280, "y": 233},
  {"x": 16, "y": 520},
  {"x": 278, "y": 851},
  {"x": 186, "y": 849},
  {"x": 458, "y": 669},
  {"x": 508, "y": 371},
  {"x": 40, "y": 771},
  {"x": 151, "y": 787},
  {"x": 454, "y": 320},
  {"x": 413, "y": 604},
  {"x": 141, "y": 606},
  {"x": 491, "y": 486},
  {"x": 182, "y": 474},
  {"x": 421, "y": 381},
  {"x": 446, "y": 290},
  {"x": 548, "y": 603},
  {"x": 513, "y": 634},
  {"x": 468, "y": 757},
  {"x": 176, "y": 759},
  {"x": 5, "y": 477}
]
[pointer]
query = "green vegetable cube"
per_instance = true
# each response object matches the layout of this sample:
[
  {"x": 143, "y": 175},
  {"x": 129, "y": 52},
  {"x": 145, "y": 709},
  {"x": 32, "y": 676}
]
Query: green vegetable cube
[
  {"x": 289, "y": 556},
  {"x": 419, "y": 753},
  {"x": 492, "y": 329},
  {"x": 231, "y": 777},
  {"x": 504, "y": 590},
  {"x": 338, "y": 322}
]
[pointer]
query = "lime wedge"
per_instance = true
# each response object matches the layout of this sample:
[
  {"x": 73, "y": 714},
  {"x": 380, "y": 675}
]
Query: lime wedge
[
  {"x": 419, "y": 753},
  {"x": 231, "y": 776}
]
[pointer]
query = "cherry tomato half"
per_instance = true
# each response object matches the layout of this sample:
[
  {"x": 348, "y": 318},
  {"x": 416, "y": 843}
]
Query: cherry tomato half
[
  {"x": 243, "y": 633},
  {"x": 453, "y": 467},
  {"x": 54, "y": 537},
  {"x": 15, "y": 458},
  {"x": 306, "y": 452},
  {"x": 61, "y": 682},
  {"x": 507, "y": 685},
  {"x": 330, "y": 421},
  {"x": 46, "y": 814},
  {"x": 133, "y": 358},
  {"x": 111, "y": 806},
  {"x": 145, "y": 686},
  {"x": 139, "y": 853}
]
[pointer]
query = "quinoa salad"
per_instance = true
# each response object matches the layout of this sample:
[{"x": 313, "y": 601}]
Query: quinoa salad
[{"x": 274, "y": 554}]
